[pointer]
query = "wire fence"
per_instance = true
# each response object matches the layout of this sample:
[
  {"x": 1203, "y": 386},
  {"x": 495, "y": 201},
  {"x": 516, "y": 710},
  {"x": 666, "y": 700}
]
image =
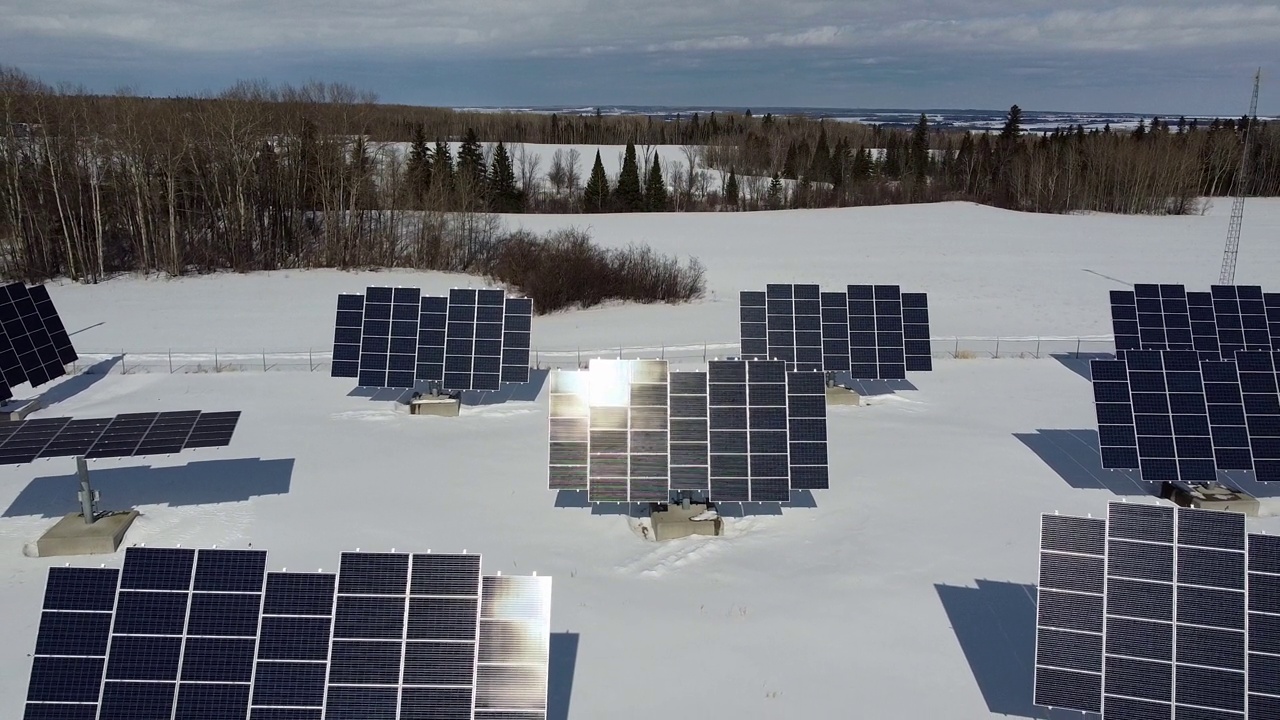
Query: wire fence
[{"x": 171, "y": 361}]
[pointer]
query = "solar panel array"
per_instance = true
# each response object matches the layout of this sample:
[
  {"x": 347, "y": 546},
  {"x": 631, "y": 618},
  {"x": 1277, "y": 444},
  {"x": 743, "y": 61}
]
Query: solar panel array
[
  {"x": 151, "y": 433},
  {"x": 1175, "y": 416},
  {"x": 210, "y": 634},
  {"x": 34, "y": 345},
  {"x": 1158, "y": 612},
  {"x": 633, "y": 431},
  {"x": 1215, "y": 324},
  {"x": 869, "y": 331},
  {"x": 397, "y": 337}
]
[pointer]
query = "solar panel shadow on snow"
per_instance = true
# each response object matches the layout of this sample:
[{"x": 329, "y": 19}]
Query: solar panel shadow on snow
[
  {"x": 869, "y": 331},
  {"x": 211, "y": 633},
  {"x": 130, "y": 434},
  {"x": 397, "y": 337},
  {"x": 1177, "y": 417},
  {"x": 634, "y": 431},
  {"x": 1158, "y": 611}
]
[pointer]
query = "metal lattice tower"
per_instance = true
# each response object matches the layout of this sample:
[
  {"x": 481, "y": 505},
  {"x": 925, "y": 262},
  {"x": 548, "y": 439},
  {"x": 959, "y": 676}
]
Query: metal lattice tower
[{"x": 1228, "y": 274}]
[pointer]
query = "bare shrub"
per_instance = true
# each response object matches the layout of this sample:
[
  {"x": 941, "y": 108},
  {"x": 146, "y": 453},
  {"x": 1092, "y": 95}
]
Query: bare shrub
[{"x": 563, "y": 269}]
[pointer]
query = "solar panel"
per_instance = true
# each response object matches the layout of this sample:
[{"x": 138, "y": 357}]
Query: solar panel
[
  {"x": 514, "y": 649},
  {"x": 199, "y": 634},
  {"x": 1216, "y": 324},
  {"x": 1261, "y": 400},
  {"x": 1162, "y": 634},
  {"x": 1069, "y": 621},
  {"x": 53, "y": 324},
  {"x": 1204, "y": 325},
  {"x": 631, "y": 431},
  {"x": 1173, "y": 630},
  {"x": 870, "y": 331},
  {"x": 130, "y": 434},
  {"x": 397, "y": 337},
  {"x": 30, "y": 354}
]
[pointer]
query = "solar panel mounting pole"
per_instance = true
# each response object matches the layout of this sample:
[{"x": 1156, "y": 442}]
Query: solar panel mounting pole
[{"x": 88, "y": 496}]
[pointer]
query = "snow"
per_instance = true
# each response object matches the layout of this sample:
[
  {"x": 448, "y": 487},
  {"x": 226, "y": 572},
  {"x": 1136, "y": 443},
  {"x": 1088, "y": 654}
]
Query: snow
[{"x": 908, "y": 575}]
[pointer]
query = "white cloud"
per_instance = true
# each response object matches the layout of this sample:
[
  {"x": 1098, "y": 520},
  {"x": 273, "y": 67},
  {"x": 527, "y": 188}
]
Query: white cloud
[{"x": 592, "y": 27}]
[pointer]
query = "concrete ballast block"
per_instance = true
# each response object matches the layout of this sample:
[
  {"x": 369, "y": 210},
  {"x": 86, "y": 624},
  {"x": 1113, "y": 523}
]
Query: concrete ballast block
[
  {"x": 73, "y": 536},
  {"x": 677, "y": 522},
  {"x": 435, "y": 405}
]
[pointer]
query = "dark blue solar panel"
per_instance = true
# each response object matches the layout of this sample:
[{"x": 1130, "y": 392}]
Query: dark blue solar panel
[
  {"x": 374, "y": 573},
  {"x": 53, "y": 324},
  {"x": 445, "y": 575},
  {"x": 369, "y": 617},
  {"x": 60, "y": 711},
  {"x": 361, "y": 703},
  {"x": 210, "y": 701},
  {"x": 433, "y": 618},
  {"x": 1067, "y": 689},
  {"x": 299, "y": 594},
  {"x": 144, "y": 657},
  {"x": 157, "y": 568},
  {"x": 297, "y": 684},
  {"x": 73, "y": 633},
  {"x": 278, "y": 713},
  {"x": 230, "y": 570},
  {"x": 428, "y": 703},
  {"x": 218, "y": 660},
  {"x": 348, "y": 329},
  {"x": 137, "y": 701},
  {"x": 294, "y": 638},
  {"x": 224, "y": 614},
  {"x": 70, "y": 588},
  {"x": 65, "y": 679},
  {"x": 365, "y": 662},
  {"x": 150, "y": 613}
]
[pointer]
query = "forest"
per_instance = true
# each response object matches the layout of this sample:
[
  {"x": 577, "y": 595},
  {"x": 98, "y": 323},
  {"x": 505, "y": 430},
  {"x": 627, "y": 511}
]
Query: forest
[{"x": 261, "y": 177}]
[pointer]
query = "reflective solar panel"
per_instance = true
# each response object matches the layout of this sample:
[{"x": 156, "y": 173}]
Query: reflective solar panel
[
  {"x": 870, "y": 331},
  {"x": 1216, "y": 324},
  {"x": 130, "y": 434},
  {"x": 1176, "y": 642},
  {"x": 396, "y": 337},
  {"x": 743, "y": 431},
  {"x": 514, "y": 649},
  {"x": 391, "y": 635}
]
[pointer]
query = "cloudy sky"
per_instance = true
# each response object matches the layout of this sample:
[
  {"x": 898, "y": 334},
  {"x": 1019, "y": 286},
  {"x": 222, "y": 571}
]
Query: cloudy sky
[{"x": 1170, "y": 57}]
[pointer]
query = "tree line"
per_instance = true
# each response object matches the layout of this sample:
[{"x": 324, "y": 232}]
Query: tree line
[{"x": 265, "y": 177}]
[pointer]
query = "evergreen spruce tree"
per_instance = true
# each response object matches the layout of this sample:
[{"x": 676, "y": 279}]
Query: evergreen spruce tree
[
  {"x": 1012, "y": 124},
  {"x": 892, "y": 167},
  {"x": 920, "y": 149},
  {"x": 504, "y": 195},
  {"x": 862, "y": 166},
  {"x": 595, "y": 196},
  {"x": 472, "y": 173},
  {"x": 840, "y": 162},
  {"x": 442, "y": 166},
  {"x": 655, "y": 188},
  {"x": 627, "y": 196},
  {"x": 820, "y": 163},
  {"x": 789, "y": 162},
  {"x": 418, "y": 167},
  {"x": 731, "y": 190},
  {"x": 775, "y": 191}
]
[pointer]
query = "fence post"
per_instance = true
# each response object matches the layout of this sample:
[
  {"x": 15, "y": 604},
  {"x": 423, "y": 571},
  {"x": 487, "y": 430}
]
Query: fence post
[
  {"x": 704, "y": 352},
  {"x": 264, "y": 359},
  {"x": 997, "y": 354},
  {"x": 956, "y": 354},
  {"x": 170, "y": 361},
  {"x": 1077, "y": 347},
  {"x": 1037, "y": 348},
  {"x": 664, "y": 352},
  {"x": 311, "y": 365},
  {"x": 215, "y": 361},
  {"x": 579, "y": 357},
  {"x": 123, "y": 369}
]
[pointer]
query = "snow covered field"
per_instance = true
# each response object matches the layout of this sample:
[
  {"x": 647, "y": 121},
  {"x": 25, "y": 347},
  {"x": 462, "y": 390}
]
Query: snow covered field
[{"x": 907, "y": 592}]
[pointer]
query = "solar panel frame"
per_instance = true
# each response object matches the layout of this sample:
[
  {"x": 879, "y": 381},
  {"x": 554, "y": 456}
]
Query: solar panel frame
[
  {"x": 71, "y": 643},
  {"x": 129, "y": 434},
  {"x": 835, "y": 331},
  {"x": 568, "y": 430},
  {"x": 516, "y": 340},
  {"x": 375, "y": 336},
  {"x": 1260, "y": 396},
  {"x": 689, "y": 431}
]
